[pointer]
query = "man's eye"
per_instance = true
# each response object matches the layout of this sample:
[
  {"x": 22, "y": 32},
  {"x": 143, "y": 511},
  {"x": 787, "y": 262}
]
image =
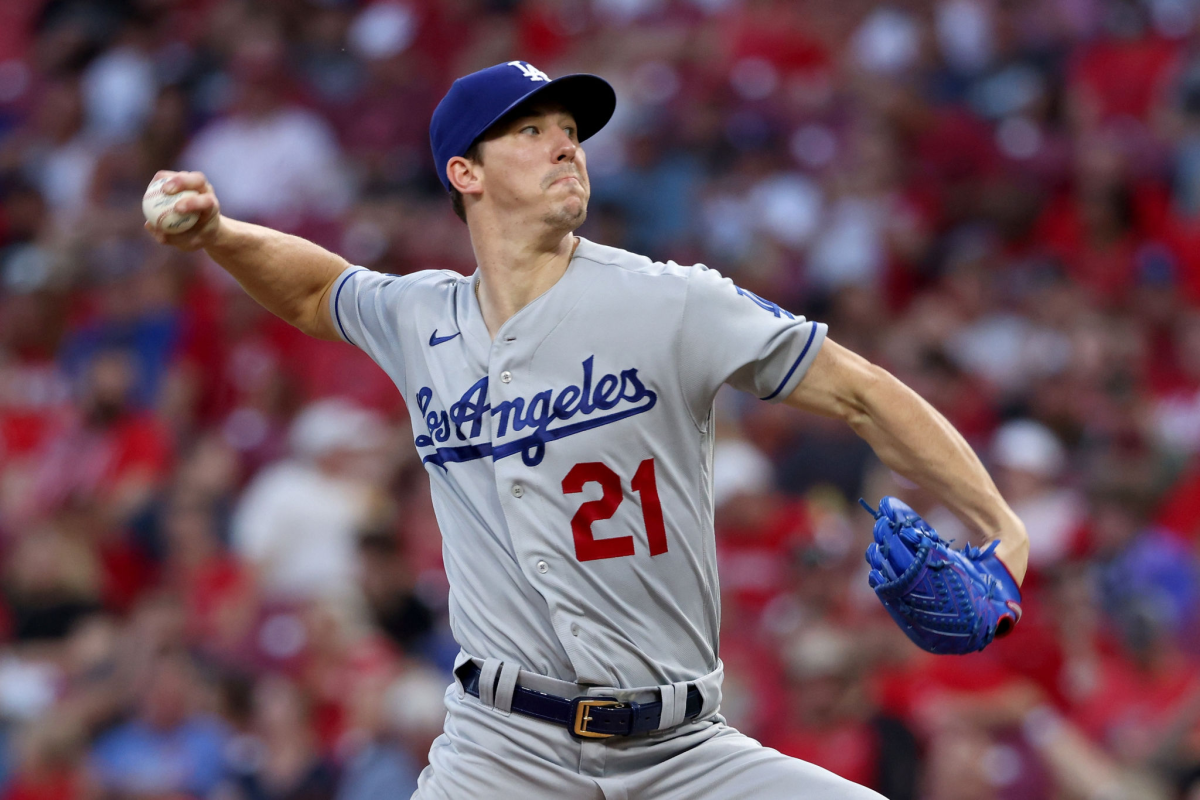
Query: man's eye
[
  {"x": 529, "y": 128},
  {"x": 570, "y": 131}
]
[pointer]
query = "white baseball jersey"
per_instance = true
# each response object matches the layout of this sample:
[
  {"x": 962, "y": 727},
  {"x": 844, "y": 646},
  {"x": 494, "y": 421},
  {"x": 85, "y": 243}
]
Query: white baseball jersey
[{"x": 570, "y": 459}]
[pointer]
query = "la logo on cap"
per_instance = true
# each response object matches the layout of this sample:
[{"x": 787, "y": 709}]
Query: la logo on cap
[{"x": 530, "y": 71}]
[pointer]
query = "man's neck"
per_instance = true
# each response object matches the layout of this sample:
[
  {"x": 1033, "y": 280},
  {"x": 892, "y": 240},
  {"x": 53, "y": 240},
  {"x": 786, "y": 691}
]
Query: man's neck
[{"x": 514, "y": 272}]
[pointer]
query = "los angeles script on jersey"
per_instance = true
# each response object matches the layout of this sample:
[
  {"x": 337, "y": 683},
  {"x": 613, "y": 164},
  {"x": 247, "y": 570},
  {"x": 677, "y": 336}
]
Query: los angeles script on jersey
[{"x": 598, "y": 402}]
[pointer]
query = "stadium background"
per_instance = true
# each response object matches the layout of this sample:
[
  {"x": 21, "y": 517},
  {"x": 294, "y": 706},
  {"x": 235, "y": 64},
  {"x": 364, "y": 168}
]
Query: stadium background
[{"x": 220, "y": 569}]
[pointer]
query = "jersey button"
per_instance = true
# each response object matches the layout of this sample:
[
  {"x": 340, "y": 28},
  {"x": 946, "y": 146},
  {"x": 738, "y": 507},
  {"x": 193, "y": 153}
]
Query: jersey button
[
  {"x": 574, "y": 629},
  {"x": 543, "y": 567},
  {"x": 517, "y": 490},
  {"x": 505, "y": 377}
]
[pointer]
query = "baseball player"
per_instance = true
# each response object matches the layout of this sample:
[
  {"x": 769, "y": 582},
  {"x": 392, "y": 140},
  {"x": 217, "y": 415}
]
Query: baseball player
[{"x": 562, "y": 403}]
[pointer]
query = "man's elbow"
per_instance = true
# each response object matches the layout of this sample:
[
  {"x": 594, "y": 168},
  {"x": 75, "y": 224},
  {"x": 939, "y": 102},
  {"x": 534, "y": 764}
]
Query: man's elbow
[
  {"x": 843, "y": 385},
  {"x": 867, "y": 392}
]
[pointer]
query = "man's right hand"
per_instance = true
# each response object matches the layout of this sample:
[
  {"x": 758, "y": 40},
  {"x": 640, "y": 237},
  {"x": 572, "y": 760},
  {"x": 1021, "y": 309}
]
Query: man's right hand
[{"x": 204, "y": 232}]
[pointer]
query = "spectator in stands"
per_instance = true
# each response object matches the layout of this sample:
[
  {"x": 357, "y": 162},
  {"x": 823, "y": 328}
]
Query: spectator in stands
[
  {"x": 112, "y": 457},
  {"x": 52, "y": 581},
  {"x": 285, "y": 763},
  {"x": 1030, "y": 463},
  {"x": 171, "y": 746},
  {"x": 388, "y": 587},
  {"x": 831, "y": 720},
  {"x": 217, "y": 590},
  {"x": 297, "y": 522},
  {"x": 50, "y": 762},
  {"x": 273, "y": 161},
  {"x": 379, "y": 767},
  {"x": 55, "y": 154}
]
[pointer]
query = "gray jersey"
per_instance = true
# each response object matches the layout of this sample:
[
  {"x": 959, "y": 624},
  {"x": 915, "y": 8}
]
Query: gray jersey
[{"x": 570, "y": 459}]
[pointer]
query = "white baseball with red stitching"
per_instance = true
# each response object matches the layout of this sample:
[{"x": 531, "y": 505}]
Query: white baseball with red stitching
[{"x": 159, "y": 208}]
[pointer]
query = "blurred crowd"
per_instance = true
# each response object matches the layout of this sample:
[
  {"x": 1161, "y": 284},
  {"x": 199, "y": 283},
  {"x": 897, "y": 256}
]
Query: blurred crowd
[{"x": 220, "y": 572}]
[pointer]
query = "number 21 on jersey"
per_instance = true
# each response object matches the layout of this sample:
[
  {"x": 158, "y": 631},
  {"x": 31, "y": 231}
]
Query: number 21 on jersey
[{"x": 587, "y": 547}]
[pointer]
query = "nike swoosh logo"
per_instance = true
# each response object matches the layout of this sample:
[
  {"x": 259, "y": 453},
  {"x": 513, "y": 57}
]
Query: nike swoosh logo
[{"x": 435, "y": 340}]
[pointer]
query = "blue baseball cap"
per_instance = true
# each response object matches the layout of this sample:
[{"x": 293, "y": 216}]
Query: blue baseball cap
[{"x": 478, "y": 101}]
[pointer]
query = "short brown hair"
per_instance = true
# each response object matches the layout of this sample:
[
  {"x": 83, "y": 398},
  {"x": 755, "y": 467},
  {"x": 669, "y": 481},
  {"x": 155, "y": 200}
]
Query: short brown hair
[{"x": 474, "y": 154}]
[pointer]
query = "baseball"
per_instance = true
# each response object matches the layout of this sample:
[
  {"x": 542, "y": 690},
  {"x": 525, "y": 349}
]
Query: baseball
[{"x": 159, "y": 208}]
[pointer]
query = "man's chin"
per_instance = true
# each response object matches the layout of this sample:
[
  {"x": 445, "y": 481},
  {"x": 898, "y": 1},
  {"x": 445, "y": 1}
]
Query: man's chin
[{"x": 568, "y": 217}]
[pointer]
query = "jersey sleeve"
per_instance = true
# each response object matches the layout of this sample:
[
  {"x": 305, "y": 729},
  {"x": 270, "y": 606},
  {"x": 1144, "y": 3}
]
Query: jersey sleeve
[
  {"x": 368, "y": 309},
  {"x": 730, "y": 335}
]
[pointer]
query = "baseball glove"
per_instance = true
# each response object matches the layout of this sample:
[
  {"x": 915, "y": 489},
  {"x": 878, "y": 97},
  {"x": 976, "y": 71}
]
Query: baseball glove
[{"x": 947, "y": 601}]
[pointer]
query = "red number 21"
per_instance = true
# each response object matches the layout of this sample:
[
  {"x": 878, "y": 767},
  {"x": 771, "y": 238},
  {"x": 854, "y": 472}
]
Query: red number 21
[{"x": 588, "y": 548}]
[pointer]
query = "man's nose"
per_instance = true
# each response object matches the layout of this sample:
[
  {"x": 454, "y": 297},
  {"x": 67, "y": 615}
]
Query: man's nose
[{"x": 564, "y": 147}]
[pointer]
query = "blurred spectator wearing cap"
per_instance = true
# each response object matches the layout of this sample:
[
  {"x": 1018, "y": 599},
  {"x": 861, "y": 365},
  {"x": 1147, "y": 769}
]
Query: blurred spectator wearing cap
[
  {"x": 1030, "y": 463},
  {"x": 298, "y": 519}
]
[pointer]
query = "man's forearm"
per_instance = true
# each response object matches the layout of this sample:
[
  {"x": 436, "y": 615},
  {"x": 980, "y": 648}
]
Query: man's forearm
[
  {"x": 287, "y": 275},
  {"x": 913, "y": 439}
]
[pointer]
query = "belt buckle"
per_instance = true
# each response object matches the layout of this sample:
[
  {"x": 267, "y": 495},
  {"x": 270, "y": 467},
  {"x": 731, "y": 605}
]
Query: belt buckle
[{"x": 585, "y": 704}]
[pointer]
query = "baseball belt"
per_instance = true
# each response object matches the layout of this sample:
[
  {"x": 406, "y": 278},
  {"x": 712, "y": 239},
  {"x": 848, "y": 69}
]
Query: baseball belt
[{"x": 585, "y": 717}]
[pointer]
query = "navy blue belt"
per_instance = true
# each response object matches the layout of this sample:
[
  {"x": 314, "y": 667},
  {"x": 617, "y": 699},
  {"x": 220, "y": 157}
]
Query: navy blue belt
[{"x": 586, "y": 717}]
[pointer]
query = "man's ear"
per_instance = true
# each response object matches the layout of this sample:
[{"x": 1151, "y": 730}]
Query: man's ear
[{"x": 466, "y": 176}]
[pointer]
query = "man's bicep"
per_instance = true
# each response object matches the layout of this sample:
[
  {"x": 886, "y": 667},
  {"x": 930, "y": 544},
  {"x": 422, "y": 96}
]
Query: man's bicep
[{"x": 836, "y": 383}]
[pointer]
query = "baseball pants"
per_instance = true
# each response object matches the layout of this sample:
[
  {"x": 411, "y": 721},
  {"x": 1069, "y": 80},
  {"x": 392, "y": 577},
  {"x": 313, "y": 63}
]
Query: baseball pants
[{"x": 485, "y": 753}]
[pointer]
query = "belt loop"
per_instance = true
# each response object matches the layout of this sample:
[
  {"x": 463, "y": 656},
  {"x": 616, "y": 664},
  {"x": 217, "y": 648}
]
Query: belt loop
[
  {"x": 487, "y": 681},
  {"x": 505, "y": 687},
  {"x": 681, "y": 692},
  {"x": 674, "y": 705},
  {"x": 667, "y": 718},
  {"x": 710, "y": 690}
]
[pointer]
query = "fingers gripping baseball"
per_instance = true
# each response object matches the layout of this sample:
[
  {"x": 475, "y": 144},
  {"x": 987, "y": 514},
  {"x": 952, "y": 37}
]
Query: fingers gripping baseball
[
  {"x": 196, "y": 196},
  {"x": 946, "y": 601}
]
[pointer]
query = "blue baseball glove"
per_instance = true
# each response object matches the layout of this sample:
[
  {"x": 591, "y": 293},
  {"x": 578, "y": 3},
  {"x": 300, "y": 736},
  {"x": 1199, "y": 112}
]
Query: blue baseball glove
[{"x": 947, "y": 601}]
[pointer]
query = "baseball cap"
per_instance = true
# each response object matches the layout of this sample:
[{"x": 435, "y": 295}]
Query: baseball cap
[{"x": 478, "y": 101}]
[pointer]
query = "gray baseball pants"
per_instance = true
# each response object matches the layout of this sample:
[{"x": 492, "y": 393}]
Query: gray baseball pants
[{"x": 486, "y": 752}]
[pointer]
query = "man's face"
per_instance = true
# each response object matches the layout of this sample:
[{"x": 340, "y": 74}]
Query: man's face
[{"x": 533, "y": 164}]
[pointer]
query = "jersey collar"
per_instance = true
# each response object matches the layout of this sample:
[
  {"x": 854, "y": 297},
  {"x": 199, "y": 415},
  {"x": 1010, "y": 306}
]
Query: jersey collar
[{"x": 541, "y": 315}]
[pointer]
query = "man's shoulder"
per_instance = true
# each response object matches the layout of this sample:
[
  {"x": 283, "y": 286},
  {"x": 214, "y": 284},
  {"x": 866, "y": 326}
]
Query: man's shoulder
[
  {"x": 437, "y": 279},
  {"x": 633, "y": 263},
  {"x": 425, "y": 280}
]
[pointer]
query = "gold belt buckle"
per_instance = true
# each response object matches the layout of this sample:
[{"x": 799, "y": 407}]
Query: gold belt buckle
[{"x": 582, "y": 706}]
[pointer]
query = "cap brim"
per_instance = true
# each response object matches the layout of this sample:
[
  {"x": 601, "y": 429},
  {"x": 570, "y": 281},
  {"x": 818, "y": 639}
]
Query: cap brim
[{"x": 589, "y": 98}]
